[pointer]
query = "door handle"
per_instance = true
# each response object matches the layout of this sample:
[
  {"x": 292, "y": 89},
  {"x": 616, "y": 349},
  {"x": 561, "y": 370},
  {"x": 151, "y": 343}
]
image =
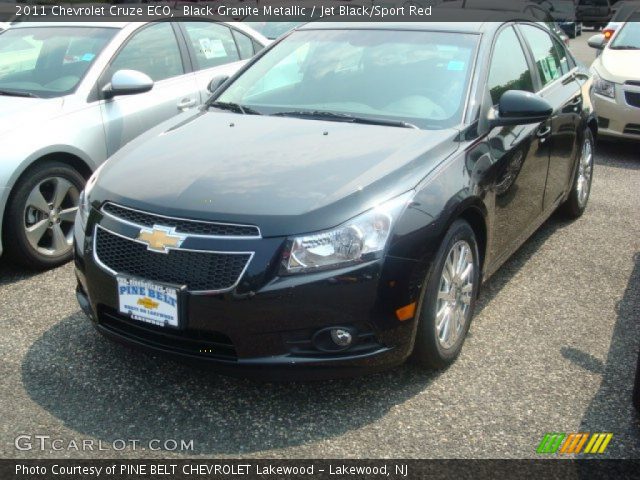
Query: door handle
[
  {"x": 186, "y": 103},
  {"x": 576, "y": 101}
]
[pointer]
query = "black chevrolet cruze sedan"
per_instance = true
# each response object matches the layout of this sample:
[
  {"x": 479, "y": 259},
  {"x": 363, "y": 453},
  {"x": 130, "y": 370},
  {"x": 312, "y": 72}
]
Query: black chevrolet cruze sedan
[{"x": 336, "y": 205}]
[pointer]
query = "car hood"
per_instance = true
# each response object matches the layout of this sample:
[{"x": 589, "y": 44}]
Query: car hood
[
  {"x": 286, "y": 175},
  {"x": 21, "y": 112},
  {"x": 619, "y": 65}
]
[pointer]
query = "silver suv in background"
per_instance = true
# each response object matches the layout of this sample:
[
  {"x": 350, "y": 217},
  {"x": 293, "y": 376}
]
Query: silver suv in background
[{"x": 72, "y": 94}]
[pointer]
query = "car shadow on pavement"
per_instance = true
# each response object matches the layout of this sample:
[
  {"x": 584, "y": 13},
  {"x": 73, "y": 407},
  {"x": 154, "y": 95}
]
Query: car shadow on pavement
[
  {"x": 10, "y": 273},
  {"x": 106, "y": 391},
  {"x": 611, "y": 409}
]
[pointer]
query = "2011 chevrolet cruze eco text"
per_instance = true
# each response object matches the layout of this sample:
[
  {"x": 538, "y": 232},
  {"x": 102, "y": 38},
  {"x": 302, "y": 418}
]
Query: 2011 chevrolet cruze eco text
[{"x": 335, "y": 206}]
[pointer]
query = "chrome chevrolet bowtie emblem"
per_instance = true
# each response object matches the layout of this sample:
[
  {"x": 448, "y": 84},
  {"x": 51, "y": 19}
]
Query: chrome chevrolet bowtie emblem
[{"x": 161, "y": 239}]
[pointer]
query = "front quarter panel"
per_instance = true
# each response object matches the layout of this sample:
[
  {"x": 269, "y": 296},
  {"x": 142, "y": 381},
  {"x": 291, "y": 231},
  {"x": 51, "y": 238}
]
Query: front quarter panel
[
  {"x": 454, "y": 189},
  {"x": 77, "y": 131}
]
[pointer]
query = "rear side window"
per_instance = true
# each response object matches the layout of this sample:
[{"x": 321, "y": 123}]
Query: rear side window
[
  {"x": 245, "y": 45},
  {"x": 544, "y": 54},
  {"x": 256, "y": 46},
  {"x": 509, "y": 69},
  {"x": 562, "y": 55},
  {"x": 212, "y": 44}
]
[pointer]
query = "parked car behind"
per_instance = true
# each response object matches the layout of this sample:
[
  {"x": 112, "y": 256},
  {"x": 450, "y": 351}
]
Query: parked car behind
[
  {"x": 594, "y": 13},
  {"x": 564, "y": 13},
  {"x": 71, "y": 95},
  {"x": 534, "y": 9},
  {"x": 617, "y": 81},
  {"x": 336, "y": 205},
  {"x": 621, "y": 11}
]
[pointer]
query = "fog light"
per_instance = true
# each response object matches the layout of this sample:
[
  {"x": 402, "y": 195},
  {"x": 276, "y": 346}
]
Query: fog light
[{"x": 341, "y": 337}]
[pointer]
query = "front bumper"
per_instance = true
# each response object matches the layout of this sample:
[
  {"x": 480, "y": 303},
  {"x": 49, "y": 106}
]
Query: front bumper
[
  {"x": 616, "y": 118},
  {"x": 265, "y": 325}
]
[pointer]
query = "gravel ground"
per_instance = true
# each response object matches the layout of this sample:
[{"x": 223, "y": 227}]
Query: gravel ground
[{"x": 553, "y": 347}]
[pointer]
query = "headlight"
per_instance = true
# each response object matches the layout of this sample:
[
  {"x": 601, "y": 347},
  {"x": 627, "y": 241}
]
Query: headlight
[
  {"x": 84, "y": 203},
  {"x": 357, "y": 240},
  {"x": 604, "y": 87}
]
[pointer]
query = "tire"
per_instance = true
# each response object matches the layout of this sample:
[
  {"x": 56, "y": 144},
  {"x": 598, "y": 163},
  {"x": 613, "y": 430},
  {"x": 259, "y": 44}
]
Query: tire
[
  {"x": 578, "y": 30},
  {"x": 573, "y": 33},
  {"x": 38, "y": 228},
  {"x": 431, "y": 348},
  {"x": 578, "y": 198}
]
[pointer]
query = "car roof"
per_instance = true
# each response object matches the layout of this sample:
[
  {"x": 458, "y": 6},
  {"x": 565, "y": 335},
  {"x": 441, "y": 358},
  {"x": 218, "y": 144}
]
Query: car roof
[
  {"x": 491, "y": 20},
  {"x": 27, "y": 24}
]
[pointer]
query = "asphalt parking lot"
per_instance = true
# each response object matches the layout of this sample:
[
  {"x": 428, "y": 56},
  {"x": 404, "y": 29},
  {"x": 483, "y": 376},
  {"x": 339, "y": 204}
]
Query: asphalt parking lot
[{"x": 553, "y": 348}]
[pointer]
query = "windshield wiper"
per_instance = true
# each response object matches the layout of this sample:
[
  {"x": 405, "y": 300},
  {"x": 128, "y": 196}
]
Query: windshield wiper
[
  {"x": 343, "y": 117},
  {"x": 15, "y": 93},
  {"x": 624, "y": 47},
  {"x": 234, "y": 107}
]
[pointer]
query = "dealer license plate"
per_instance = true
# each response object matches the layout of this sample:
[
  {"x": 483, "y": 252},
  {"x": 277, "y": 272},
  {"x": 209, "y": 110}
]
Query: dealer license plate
[{"x": 148, "y": 302}]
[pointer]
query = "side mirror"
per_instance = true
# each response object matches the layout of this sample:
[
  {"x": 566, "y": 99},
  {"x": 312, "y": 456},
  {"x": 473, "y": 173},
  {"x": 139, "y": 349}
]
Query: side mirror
[
  {"x": 597, "y": 41},
  {"x": 517, "y": 107},
  {"x": 127, "y": 82},
  {"x": 216, "y": 82}
]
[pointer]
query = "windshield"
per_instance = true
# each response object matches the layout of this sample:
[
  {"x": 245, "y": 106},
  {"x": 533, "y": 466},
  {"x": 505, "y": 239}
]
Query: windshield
[
  {"x": 629, "y": 36},
  {"x": 48, "y": 61},
  {"x": 407, "y": 76}
]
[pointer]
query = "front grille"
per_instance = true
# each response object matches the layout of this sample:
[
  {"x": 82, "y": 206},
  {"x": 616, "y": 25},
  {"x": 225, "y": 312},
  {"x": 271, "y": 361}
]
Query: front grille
[
  {"x": 192, "y": 227},
  {"x": 632, "y": 98},
  {"x": 199, "y": 271},
  {"x": 192, "y": 342},
  {"x": 635, "y": 83},
  {"x": 632, "y": 128}
]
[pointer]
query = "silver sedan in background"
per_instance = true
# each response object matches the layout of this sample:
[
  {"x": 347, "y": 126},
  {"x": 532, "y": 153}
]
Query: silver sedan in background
[{"x": 72, "y": 94}]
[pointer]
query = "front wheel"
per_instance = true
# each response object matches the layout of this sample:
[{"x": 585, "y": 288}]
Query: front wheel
[
  {"x": 448, "y": 299},
  {"x": 40, "y": 215},
  {"x": 578, "y": 198}
]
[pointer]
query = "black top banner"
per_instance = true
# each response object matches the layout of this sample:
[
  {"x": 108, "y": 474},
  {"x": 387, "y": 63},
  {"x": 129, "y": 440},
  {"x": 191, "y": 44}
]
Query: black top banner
[{"x": 282, "y": 10}]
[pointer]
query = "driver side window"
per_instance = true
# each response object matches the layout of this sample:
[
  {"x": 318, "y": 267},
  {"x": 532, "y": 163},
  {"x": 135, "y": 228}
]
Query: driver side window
[
  {"x": 509, "y": 69},
  {"x": 152, "y": 50}
]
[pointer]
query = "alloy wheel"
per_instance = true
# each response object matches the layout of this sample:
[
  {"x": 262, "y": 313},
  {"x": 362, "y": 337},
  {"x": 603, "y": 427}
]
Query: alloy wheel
[
  {"x": 49, "y": 213},
  {"x": 454, "y": 295},
  {"x": 585, "y": 169}
]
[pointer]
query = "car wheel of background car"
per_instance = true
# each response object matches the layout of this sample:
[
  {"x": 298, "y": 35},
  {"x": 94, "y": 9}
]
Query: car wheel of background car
[
  {"x": 578, "y": 29},
  {"x": 448, "y": 299},
  {"x": 40, "y": 214},
  {"x": 576, "y": 203}
]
